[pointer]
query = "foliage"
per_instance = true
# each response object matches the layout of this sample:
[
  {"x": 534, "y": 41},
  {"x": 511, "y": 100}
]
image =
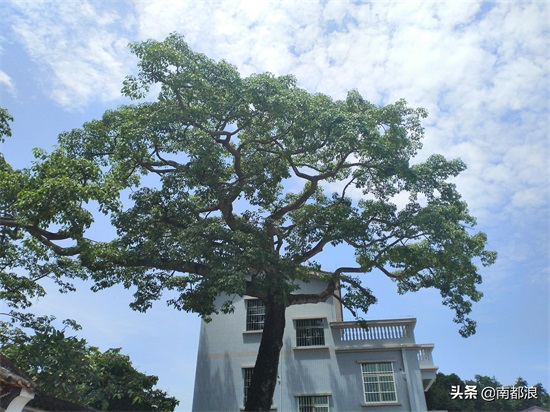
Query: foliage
[
  {"x": 63, "y": 366},
  {"x": 235, "y": 186},
  {"x": 439, "y": 396},
  {"x": 68, "y": 368},
  {"x": 23, "y": 261},
  {"x": 220, "y": 215},
  {"x": 5, "y": 129}
]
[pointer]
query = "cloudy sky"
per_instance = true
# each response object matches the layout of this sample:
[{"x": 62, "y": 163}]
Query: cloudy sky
[{"x": 479, "y": 68}]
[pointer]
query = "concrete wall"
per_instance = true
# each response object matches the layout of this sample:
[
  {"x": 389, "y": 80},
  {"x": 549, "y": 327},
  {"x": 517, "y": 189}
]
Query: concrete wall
[{"x": 226, "y": 347}]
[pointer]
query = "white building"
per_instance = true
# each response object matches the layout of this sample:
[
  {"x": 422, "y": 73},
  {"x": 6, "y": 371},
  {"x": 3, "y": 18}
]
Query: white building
[{"x": 326, "y": 364}]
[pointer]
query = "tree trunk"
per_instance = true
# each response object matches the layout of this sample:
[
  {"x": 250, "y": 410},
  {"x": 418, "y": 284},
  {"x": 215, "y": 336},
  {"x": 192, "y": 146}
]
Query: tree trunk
[{"x": 264, "y": 377}]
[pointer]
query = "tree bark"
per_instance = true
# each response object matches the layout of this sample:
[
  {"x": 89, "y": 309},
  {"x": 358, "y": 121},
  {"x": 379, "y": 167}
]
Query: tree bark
[{"x": 264, "y": 377}]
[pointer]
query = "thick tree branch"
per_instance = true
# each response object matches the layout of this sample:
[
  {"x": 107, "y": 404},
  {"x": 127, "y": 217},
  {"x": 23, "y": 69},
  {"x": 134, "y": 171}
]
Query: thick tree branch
[
  {"x": 364, "y": 291},
  {"x": 318, "y": 248},
  {"x": 251, "y": 290},
  {"x": 279, "y": 213},
  {"x": 12, "y": 222},
  {"x": 388, "y": 273},
  {"x": 166, "y": 162},
  {"x": 145, "y": 262},
  {"x": 314, "y": 180},
  {"x": 237, "y": 167},
  {"x": 301, "y": 298}
]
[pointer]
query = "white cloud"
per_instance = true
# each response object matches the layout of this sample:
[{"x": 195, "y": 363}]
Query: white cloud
[
  {"x": 81, "y": 53},
  {"x": 478, "y": 69},
  {"x": 7, "y": 82},
  {"x": 529, "y": 198},
  {"x": 473, "y": 69}
]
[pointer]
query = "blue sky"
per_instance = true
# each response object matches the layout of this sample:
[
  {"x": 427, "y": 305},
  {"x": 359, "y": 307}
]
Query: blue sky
[{"x": 480, "y": 68}]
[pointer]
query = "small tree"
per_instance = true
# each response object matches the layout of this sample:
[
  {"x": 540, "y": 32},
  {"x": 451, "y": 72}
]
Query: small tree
[
  {"x": 68, "y": 368},
  {"x": 236, "y": 185}
]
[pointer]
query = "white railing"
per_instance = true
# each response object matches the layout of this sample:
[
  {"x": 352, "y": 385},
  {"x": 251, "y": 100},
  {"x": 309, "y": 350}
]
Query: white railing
[
  {"x": 424, "y": 356},
  {"x": 375, "y": 331}
]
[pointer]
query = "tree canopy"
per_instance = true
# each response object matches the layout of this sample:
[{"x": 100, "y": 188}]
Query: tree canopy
[
  {"x": 63, "y": 366},
  {"x": 67, "y": 368},
  {"x": 234, "y": 185}
]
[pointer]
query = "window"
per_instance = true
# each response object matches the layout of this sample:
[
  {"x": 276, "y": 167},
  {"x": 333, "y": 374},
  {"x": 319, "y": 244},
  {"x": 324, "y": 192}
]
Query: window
[
  {"x": 310, "y": 332},
  {"x": 314, "y": 403},
  {"x": 378, "y": 382},
  {"x": 255, "y": 314},
  {"x": 247, "y": 377}
]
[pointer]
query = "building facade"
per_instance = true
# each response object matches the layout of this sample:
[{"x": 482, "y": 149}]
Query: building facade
[{"x": 326, "y": 364}]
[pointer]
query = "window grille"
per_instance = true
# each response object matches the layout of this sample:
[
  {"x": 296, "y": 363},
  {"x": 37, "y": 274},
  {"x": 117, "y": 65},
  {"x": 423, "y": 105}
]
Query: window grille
[
  {"x": 310, "y": 332},
  {"x": 255, "y": 314},
  {"x": 247, "y": 378},
  {"x": 378, "y": 382},
  {"x": 314, "y": 403}
]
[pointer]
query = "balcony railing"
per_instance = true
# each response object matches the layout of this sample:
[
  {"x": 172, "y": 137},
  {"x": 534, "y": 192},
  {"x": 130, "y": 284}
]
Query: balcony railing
[
  {"x": 427, "y": 368},
  {"x": 376, "y": 332},
  {"x": 424, "y": 356}
]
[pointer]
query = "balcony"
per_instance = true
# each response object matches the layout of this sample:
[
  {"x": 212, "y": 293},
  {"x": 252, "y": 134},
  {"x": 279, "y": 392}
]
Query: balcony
[
  {"x": 427, "y": 368},
  {"x": 390, "y": 333},
  {"x": 376, "y": 333},
  {"x": 424, "y": 356}
]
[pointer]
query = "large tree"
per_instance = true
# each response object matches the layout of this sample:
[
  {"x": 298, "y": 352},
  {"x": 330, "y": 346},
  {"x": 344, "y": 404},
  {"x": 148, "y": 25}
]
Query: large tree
[{"x": 235, "y": 186}]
